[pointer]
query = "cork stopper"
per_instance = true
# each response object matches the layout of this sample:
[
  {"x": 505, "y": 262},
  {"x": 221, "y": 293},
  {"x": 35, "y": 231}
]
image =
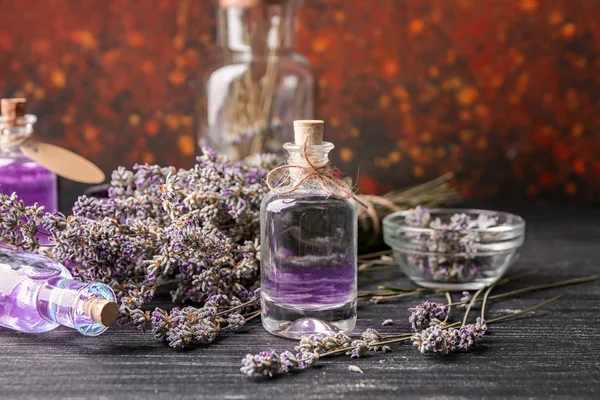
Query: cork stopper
[
  {"x": 248, "y": 3},
  {"x": 11, "y": 109},
  {"x": 239, "y": 3},
  {"x": 308, "y": 131},
  {"x": 103, "y": 311}
]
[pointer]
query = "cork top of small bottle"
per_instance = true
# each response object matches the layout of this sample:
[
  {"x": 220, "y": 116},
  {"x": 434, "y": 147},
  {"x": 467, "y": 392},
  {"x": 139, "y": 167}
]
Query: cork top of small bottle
[
  {"x": 12, "y": 111},
  {"x": 247, "y": 3},
  {"x": 102, "y": 311},
  {"x": 13, "y": 108},
  {"x": 309, "y": 132}
]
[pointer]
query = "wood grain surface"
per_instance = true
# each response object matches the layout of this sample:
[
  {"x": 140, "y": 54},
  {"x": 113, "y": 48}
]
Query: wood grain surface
[{"x": 551, "y": 353}]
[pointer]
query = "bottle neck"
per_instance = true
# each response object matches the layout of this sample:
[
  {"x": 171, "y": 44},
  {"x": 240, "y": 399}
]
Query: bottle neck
[
  {"x": 260, "y": 28},
  {"x": 14, "y": 132},
  {"x": 69, "y": 303},
  {"x": 318, "y": 155}
]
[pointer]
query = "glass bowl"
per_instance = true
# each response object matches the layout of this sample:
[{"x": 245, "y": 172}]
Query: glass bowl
[{"x": 453, "y": 249}]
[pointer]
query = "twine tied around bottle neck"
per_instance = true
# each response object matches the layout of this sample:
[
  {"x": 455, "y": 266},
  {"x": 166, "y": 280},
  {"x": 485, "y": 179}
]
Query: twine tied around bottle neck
[{"x": 324, "y": 174}]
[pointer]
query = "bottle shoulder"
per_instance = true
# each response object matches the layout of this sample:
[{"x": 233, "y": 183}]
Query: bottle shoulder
[
  {"x": 16, "y": 160},
  {"x": 276, "y": 202},
  {"x": 35, "y": 266}
]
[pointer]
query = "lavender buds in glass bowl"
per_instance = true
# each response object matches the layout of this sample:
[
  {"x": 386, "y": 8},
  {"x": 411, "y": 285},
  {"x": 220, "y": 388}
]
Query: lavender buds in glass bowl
[{"x": 453, "y": 249}]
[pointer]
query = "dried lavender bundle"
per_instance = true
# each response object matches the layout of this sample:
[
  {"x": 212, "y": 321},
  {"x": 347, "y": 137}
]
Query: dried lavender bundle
[{"x": 196, "y": 229}]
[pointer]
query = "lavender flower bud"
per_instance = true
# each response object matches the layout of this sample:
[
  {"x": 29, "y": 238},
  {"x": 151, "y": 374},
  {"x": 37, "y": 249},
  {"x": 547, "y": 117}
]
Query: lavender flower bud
[
  {"x": 418, "y": 217},
  {"x": 266, "y": 363},
  {"x": 288, "y": 361},
  {"x": 469, "y": 335},
  {"x": 371, "y": 336},
  {"x": 307, "y": 359},
  {"x": 434, "y": 340},
  {"x": 426, "y": 314},
  {"x": 361, "y": 348},
  {"x": 160, "y": 323},
  {"x": 235, "y": 321},
  {"x": 322, "y": 342},
  {"x": 466, "y": 298}
]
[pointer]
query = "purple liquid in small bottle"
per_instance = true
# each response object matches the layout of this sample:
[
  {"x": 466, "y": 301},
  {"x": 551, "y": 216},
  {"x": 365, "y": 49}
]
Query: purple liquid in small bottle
[
  {"x": 37, "y": 294},
  {"x": 32, "y": 182},
  {"x": 309, "y": 270}
]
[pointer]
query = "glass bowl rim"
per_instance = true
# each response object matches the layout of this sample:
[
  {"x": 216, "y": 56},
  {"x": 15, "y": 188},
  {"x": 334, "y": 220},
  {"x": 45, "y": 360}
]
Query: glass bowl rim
[{"x": 390, "y": 221}]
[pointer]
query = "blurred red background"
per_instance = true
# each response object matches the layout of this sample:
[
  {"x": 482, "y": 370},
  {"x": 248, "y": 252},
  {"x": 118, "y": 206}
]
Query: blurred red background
[{"x": 503, "y": 92}]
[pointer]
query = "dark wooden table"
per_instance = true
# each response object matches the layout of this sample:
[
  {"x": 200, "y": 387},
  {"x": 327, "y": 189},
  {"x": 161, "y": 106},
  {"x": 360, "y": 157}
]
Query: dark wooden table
[{"x": 551, "y": 353}]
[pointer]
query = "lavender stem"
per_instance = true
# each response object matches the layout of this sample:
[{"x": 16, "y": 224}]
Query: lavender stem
[{"x": 471, "y": 305}]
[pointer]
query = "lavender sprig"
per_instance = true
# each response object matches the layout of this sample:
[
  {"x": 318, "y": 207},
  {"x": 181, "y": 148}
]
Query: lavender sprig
[
  {"x": 435, "y": 339},
  {"x": 190, "y": 326},
  {"x": 309, "y": 350},
  {"x": 269, "y": 363}
]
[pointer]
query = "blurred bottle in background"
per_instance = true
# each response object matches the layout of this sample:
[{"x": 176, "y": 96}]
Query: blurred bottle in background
[{"x": 257, "y": 85}]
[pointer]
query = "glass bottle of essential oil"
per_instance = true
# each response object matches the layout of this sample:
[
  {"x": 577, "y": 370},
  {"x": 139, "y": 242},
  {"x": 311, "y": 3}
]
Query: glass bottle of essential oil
[
  {"x": 308, "y": 245},
  {"x": 37, "y": 294},
  {"x": 32, "y": 182}
]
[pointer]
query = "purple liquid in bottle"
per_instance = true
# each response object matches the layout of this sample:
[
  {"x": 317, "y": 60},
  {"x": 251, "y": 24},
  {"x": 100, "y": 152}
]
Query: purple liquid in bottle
[
  {"x": 32, "y": 182},
  {"x": 310, "y": 265},
  {"x": 37, "y": 294}
]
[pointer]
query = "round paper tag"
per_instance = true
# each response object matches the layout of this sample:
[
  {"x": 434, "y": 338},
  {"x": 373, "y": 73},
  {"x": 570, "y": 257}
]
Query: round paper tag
[{"x": 63, "y": 162}]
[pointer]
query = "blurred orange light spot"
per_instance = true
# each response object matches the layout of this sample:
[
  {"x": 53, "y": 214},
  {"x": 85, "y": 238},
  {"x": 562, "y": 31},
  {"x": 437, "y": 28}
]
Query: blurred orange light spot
[
  {"x": 579, "y": 166},
  {"x": 58, "y": 78},
  {"x": 530, "y": 5},
  {"x": 177, "y": 77},
  {"x": 416, "y": 26},
  {"x": 468, "y": 95},
  {"x": 390, "y": 68},
  {"x": 571, "y": 189},
  {"x": 367, "y": 185},
  {"x": 151, "y": 127},
  {"x": 568, "y": 30},
  {"x": 346, "y": 154},
  {"x": 135, "y": 38},
  {"x": 186, "y": 145},
  {"x": 418, "y": 171}
]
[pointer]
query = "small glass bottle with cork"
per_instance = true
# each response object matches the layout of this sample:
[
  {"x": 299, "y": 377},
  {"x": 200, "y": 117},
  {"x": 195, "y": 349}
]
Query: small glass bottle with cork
[
  {"x": 37, "y": 294},
  {"x": 19, "y": 173},
  {"x": 308, "y": 242},
  {"x": 29, "y": 167}
]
